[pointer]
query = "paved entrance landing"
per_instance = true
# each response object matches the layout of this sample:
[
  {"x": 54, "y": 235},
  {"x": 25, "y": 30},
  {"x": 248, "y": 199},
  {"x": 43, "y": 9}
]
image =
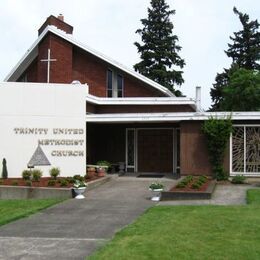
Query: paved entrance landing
[{"x": 75, "y": 228}]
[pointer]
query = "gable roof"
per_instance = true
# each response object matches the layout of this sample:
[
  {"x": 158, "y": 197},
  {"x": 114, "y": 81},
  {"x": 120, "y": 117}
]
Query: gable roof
[{"x": 32, "y": 53}]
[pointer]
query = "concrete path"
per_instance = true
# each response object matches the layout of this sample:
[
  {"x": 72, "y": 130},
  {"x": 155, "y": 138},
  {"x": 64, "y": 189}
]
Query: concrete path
[
  {"x": 75, "y": 228},
  {"x": 226, "y": 194}
]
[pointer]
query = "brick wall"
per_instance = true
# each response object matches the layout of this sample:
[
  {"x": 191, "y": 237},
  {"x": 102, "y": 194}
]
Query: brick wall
[
  {"x": 60, "y": 70},
  {"x": 194, "y": 153},
  {"x": 52, "y": 20}
]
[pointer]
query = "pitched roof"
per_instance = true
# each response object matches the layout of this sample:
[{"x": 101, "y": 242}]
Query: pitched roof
[{"x": 32, "y": 53}]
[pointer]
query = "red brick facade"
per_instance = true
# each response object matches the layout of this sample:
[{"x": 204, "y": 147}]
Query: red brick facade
[{"x": 74, "y": 63}]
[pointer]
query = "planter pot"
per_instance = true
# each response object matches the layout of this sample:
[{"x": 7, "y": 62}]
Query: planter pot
[
  {"x": 91, "y": 172},
  {"x": 79, "y": 192},
  {"x": 101, "y": 172},
  {"x": 156, "y": 194}
]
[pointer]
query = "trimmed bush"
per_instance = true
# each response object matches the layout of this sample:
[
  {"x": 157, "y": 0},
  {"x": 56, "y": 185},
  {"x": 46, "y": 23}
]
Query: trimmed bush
[
  {"x": 4, "y": 170},
  {"x": 64, "y": 183},
  {"x": 70, "y": 180},
  {"x": 78, "y": 177},
  {"x": 238, "y": 179},
  {"x": 26, "y": 175},
  {"x": 28, "y": 183},
  {"x": 54, "y": 172},
  {"x": 36, "y": 175},
  {"x": 14, "y": 183},
  {"x": 51, "y": 183}
]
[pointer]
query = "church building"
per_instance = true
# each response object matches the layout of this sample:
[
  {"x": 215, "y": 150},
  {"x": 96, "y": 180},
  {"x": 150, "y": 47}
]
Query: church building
[{"x": 130, "y": 118}]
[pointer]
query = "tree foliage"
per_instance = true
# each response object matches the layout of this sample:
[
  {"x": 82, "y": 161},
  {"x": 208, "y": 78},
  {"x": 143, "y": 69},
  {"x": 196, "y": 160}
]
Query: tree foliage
[
  {"x": 244, "y": 50},
  {"x": 242, "y": 92},
  {"x": 159, "y": 49},
  {"x": 217, "y": 133}
]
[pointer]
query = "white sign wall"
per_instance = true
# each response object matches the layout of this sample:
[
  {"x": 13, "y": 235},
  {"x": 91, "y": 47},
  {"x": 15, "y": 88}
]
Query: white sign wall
[{"x": 49, "y": 115}]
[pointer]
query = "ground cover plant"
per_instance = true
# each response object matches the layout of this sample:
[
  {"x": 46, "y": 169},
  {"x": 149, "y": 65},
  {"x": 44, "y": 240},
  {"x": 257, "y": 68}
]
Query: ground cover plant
[
  {"x": 190, "y": 232},
  {"x": 192, "y": 183},
  {"x": 11, "y": 210}
]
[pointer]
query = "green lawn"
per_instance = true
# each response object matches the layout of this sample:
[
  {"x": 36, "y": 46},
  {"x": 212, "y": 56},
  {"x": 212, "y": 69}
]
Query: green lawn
[
  {"x": 190, "y": 232},
  {"x": 11, "y": 210}
]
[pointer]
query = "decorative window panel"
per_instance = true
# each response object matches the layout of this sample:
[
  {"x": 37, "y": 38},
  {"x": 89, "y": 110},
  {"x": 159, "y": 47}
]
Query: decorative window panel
[{"x": 246, "y": 149}]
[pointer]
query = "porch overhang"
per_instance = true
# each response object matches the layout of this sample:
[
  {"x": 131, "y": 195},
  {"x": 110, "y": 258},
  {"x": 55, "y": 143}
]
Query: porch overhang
[{"x": 168, "y": 117}]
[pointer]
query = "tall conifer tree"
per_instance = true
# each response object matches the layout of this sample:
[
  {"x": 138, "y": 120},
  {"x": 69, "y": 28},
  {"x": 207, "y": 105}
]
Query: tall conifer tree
[
  {"x": 159, "y": 49},
  {"x": 244, "y": 52}
]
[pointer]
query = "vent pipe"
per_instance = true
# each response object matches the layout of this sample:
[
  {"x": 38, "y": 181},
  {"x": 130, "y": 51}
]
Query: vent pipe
[{"x": 198, "y": 98}]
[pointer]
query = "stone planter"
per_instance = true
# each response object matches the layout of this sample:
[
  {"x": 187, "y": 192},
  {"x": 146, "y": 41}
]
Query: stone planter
[
  {"x": 79, "y": 192},
  {"x": 156, "y": 194}
]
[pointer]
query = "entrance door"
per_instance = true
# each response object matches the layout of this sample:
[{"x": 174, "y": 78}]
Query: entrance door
[{"x": 155, "y": 150}]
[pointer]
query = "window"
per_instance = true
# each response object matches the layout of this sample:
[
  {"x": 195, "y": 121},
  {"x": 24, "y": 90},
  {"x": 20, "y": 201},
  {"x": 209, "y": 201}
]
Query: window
[
  {"x": 119, "y": 86},
  {"x": 115, "y": 84},
  {"x": 109, "y": 83}
]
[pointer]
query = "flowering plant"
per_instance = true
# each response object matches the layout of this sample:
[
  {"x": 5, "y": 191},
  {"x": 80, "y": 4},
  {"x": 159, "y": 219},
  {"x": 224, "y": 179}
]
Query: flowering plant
[
  {"x": 79, "y": 184},
  {"x": 156, "y": 186}
]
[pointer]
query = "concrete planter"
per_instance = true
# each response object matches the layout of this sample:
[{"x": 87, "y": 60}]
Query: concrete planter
[
  {"x": 17, "y": 192},
  {"x": 189, "y": 195}
]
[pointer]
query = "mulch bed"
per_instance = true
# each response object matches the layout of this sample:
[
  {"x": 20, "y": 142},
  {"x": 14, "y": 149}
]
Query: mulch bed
[
  {"x": 42, "y": 183},
  {"x": 202, "y": 188}
]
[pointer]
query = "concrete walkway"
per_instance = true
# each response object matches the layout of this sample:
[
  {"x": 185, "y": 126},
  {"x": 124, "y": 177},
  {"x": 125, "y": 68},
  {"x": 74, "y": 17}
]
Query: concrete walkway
[{"x": 75, "y": 228}]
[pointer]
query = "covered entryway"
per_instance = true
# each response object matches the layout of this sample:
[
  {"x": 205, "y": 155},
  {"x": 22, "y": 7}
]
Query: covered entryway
[{"x": 155, "y": 150}]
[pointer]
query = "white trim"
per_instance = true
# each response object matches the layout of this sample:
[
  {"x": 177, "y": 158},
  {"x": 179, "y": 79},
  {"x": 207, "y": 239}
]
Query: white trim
[
  {"x": 24, "y": 62},
  {"x": 230, "y": 153},
  {"x": 141, "y": 101},
  {"x": 168, "y": 117}
]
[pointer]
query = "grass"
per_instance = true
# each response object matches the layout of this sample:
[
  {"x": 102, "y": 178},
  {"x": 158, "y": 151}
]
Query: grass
[
  {"x": 190, "y": 232},
  {"x": 11, "y": 210}
]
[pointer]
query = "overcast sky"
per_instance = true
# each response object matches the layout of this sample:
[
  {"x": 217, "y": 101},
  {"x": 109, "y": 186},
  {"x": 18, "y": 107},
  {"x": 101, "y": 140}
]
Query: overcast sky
[{"x": 203, "y": 28}]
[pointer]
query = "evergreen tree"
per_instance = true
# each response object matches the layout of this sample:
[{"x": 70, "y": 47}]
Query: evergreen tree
[
  {"x": 4, "y": 170},
  {"x": 159, "y": 51},
  {"x": 244, "y": 52}
]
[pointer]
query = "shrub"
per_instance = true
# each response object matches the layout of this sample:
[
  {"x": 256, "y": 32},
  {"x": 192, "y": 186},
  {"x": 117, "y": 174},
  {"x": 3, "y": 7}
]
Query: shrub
[
  {"x": 14, "y": 183},
  {"x": 63, "y": 183},
  {"x": 238, "y": 179},
  {"x": 180, "y": 185},
  {"x": 51, "y": 183},
  {"x": 4, "y": 170},
  {"x": 78, "y": 177},
  {"x": 26, "y": 174},
  {"x": 202, "y": 179},
  {"x": 36, "y": 175},
  {"x": 196, "y": 185},
  {"x": 28, "y": 183},
  {"x": 104, "y": 163},
  {"x": 217, "y": 133},
  {"x": 54, "y": 172},
  {"x": 70, "y": 180},
  {"x": 156, "y": 185}
]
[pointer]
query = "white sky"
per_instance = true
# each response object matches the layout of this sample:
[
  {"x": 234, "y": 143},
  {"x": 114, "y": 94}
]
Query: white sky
[{"x": 203, "y": 28}]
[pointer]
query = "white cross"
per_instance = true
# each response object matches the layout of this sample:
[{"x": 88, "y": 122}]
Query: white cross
[{"x": 48, "y": 60}]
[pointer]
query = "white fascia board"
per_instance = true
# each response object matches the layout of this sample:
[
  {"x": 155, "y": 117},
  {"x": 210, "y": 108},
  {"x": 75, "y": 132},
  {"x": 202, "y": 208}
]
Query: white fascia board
[
  {"x": 140, "y": 101},
  {"x": 69, "y": 38},
  {"x": 25, "y": 61},
  {"x": 169, "y": 117}
]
